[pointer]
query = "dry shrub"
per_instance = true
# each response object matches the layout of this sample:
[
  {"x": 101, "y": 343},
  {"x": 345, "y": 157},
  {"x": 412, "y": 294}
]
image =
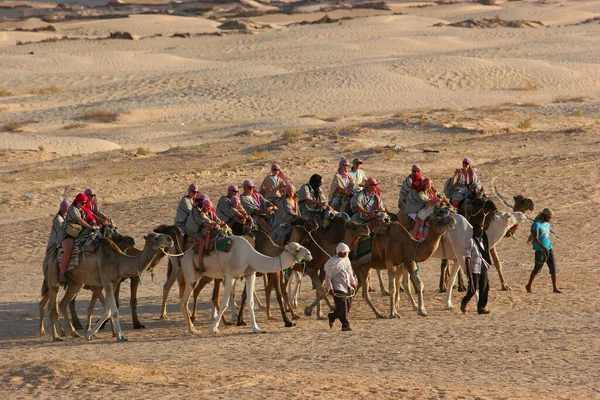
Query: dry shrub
[
  {"x": 291, "y": 135},
  {"x": 13, "y": 126},
  {"x": 579, "y": 112},
  {"x": 100, "y": 116},
  {"x": 389, "y": 154},
  {"x": 47, "y": 90},
  {"x": 567, "y": 99},
  {"x": 5, "y": 93},
  {"x": 263, "y": 154},
  {"x": 525, "y": 124},
  {"x": 142, "y": 151},
  {"x": 74, "y": 125},
  {"x": 528, "y": 86},
  {"x": 41, "y": 148}
]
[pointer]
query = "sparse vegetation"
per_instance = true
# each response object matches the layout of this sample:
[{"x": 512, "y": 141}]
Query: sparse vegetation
[
  {"x": 47, "y": 90},
  {"x": 525, "y": 124},
  {"x": 100, "y": 116},
  {"x": 5, "y": 93},
  {"x": 389, "y": 154},
  {"x": 13, "y": 126},
  {"x": 74, "y": 125},
  {"x": 142, "y": 151},
  {"x": 579, "y": 112},
  {"x": 291, "y": 135},
  {"x": 41, "y": 148},
  {"x": 528, "y": 86},
  {"x": 4, "y": 201},
  {"x": 567, "y": 99},
  {"x": 261, "y": 154}
]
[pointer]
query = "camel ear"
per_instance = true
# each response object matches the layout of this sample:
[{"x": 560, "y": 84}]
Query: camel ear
[
  {"x": 287, "y": 247},
  {"x": 146, "y": 237}
]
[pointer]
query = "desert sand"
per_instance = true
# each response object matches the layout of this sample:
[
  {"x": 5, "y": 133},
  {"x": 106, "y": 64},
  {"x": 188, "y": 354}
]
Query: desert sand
[{"x": 138, "y": 120}]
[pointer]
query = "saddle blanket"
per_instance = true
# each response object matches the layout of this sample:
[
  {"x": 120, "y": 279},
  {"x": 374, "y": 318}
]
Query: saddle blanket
[
  {"x": 363, "y": 248},
  {"x": 75, "y": 255}
]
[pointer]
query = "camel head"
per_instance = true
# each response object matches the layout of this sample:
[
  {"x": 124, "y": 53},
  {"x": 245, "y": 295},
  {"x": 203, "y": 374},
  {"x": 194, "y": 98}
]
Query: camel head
[
  {"x": 358, "y": 230},
  {"x": 309, "y": 224},
  {"x": 522, "y": 204},
  {"x": 512, "y": 220},
  {"x": 158, "y": 241},
  {"x": 442, "y": 220},
  {"x": 299, "y": 252},
  {"x": 170, "y": 230}
]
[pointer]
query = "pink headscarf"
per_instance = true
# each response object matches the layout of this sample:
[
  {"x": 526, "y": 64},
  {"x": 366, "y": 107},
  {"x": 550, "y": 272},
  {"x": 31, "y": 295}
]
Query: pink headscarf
[
  {"x": 207, "y": 207},
  {"x": 64, "y": 206},
  {"x": 280, "y": 174},
  {"x": 340, "y": 171},
  {"x": 469, "y": 175},
  {"x": 235, "y": 201},
  {"x": 94, "y": 203}
]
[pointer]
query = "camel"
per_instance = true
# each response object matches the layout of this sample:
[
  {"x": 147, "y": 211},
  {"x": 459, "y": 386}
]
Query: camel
[
  {"x": 171, "y": 230},
  {"x": 322, "y": 246},
  {"x": 398, "y": 251},
  {"x": 453, "y": 243},
  {"x": 241, "y": 261},
  {"x": 105, "y": 268}
]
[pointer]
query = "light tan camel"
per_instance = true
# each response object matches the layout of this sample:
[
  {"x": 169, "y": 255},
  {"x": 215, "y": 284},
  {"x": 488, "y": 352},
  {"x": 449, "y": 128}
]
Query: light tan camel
[
  {"x": 105, "y": 268},
  {"x": 241, "y": 261},
  {"x": 397, "y": 251}
]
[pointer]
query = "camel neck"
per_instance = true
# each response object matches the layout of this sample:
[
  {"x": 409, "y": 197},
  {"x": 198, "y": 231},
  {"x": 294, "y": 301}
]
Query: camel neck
[
  {"x": 426, "y": 248},
  {"x": 264, "y": 264},
  {"x": 131, "y": 266}
]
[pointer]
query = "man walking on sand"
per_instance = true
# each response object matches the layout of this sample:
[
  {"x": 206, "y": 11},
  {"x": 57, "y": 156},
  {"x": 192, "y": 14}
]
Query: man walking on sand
[
  {"x": 339, "y": 281},
  {"x": 540, "y": 233},
  {"x": 477, "y": 260}
]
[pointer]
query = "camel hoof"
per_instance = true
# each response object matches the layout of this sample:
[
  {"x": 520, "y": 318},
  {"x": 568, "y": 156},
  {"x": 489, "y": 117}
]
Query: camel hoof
[
  {"x": 43, "y": 333},
  {"x": 307, "y": 311},
  {"x": 422, "y": 313},
  {"x": 122, "y": 339},
  {"x": 449, "y": 307},
  {"x": 506, "y": 288},
  {"x": 392, "y": 316},
  {"x": 139, "y": 326},
  {"x": 385, "y": 294},
  {"x": 192, "y": 330},
  {"x": 88, "y": 336},
  {"x": 295, "y": 316},
  {"x": 78, "y": 326},
  {"x": 442, "y": 290},
  {"x": 58, "y": 339},
  {"x": 164, "y": 316},
  {"x": 74, "y": 334},
  {"x": 380, "y": 316},
  {"x": 462, "y": 289},
  {"x": 241, "y": 323},
  {"x": 270, "y": 318},
  {"x": 289, "y": 324},
  {"x": 258, "y": 331},
  {"x": 214, "y": 331}
]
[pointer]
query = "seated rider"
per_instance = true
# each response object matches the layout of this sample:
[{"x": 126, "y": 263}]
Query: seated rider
[
  {"x": 259, "y": 208},
  {"x": 464, "y": 184},
  {"x": 273, "y": 186},
  {"x": 225, "y": 210},
  {"x": 360, "y": 178},
  {"x": 57, "y": 222},
  {"x": 210, "y": 222},
  {"x": 367, "y": 203},
  {"x": 419, "y": 205},
  {"x": 414, "y": 180},
  {"x": 186, "y": 204},
  {"x": 194, "y": 229},
  {"x": 311, "y": 199},
  {"x": 342, "y": 186},
  {"x": 93, "y": 214},
  {"x": 76, "y": 216},
  {"x": 287, "y": 209},
  {"x": 241, "y": 216}
]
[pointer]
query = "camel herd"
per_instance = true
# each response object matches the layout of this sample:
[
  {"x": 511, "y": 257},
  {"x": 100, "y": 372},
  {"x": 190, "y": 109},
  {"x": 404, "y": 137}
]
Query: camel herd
[{"x": 392, "y": 249}]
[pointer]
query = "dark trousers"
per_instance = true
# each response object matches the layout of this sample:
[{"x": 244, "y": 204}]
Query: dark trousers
[
  {"x": 342, "y": 307},
  {"x": 478, "y": 282}
]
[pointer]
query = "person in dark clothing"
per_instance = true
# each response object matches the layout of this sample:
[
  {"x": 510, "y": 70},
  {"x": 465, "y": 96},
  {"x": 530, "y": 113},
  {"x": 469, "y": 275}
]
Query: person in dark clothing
[{"x": 477, "y": 260}]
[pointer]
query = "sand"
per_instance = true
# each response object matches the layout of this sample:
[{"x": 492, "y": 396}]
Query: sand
[{"x": 521, "y": 102}]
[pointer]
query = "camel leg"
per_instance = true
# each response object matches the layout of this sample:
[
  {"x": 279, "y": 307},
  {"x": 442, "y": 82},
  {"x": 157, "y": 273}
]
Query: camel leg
[
  {"x": 362, "y": 277},
  {"x": 74, "y": 318},
  {"x": 234, "y": 306},
  {"x": 166, "y": 289},
  {"x": 97, "y": 295},
  {"x": 250, "y": 279},
  {"x": 443, "y": 275},
  {"x": 321, "y": 294},
  {"x": 282, "y": 282},
  {"x": 416, "y": 280},
  {"x": 407, "y": 285},
  {"x": 456, "y": 266},
  {"x": 240, "y": 317},
  {"x": 135, "y": 283},
  {"x": 398, "y": 278},
  {"x": 110, "y": 309},
  {"x": 90, "y": 311},
  {"x": 295, "y": 288},
  {"x": 498, "y": 265},
  {"x": 392, "y": 288},
  {"x": 183, "y": 305},
  {"x": 225, "y": 303},
  {"x": 278, "y": 292},
  {"x": 72, "y": 291},
  {"x": 268, "y": 290},
  {"x": 384, "y": 292},
  {"x": 43, "y": 304}
]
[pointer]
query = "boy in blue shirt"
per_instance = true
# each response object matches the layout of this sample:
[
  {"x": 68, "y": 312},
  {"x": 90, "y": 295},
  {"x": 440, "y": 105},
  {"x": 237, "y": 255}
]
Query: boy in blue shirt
[{"x": 540, "y": 233}]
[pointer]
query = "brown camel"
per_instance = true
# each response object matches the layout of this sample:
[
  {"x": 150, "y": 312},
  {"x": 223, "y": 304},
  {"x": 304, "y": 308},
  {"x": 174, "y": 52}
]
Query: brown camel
[
  {"x": 398, "y": 250},
  {"x": 123, "y": 242},
  {"x": 105, "y": 268},
  {"x": 322, "y": 244}
]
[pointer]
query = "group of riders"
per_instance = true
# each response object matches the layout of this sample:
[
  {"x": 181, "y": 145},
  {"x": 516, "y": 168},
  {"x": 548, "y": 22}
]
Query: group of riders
[{"x": 272, "y": 206}]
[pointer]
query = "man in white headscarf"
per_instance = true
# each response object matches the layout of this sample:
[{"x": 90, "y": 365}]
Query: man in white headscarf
[{"x": 340, "y": 284}]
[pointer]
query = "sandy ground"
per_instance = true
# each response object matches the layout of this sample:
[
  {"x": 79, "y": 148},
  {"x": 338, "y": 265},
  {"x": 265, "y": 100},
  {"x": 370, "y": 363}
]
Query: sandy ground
[{"x": 522, "y": 103}]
